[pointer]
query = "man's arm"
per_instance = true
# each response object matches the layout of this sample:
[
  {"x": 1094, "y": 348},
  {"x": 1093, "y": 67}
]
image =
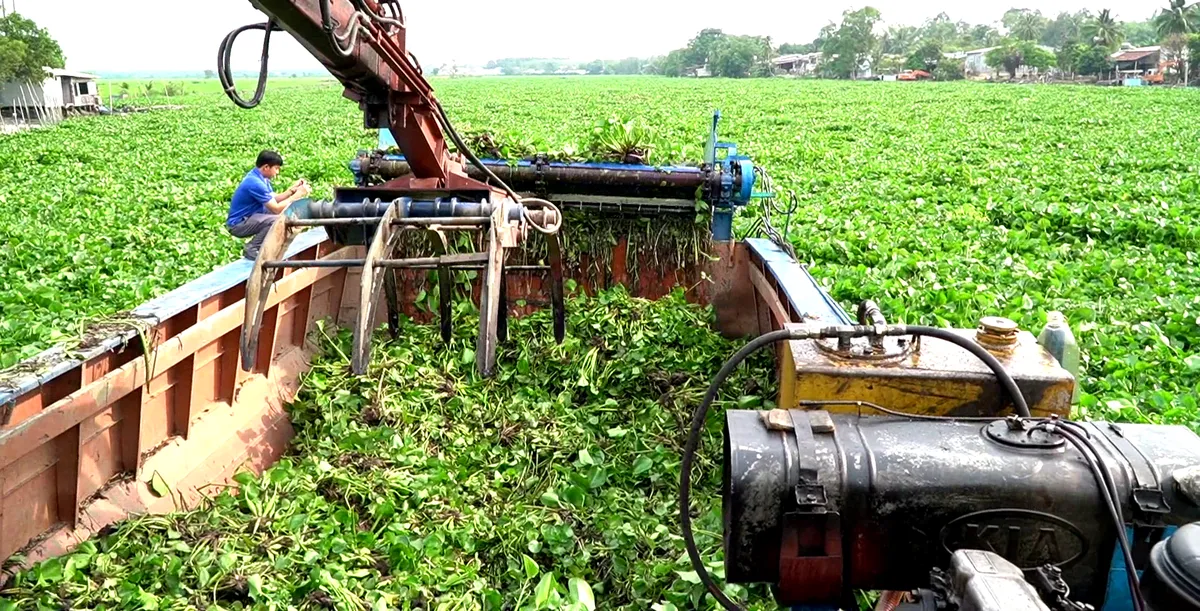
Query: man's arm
[
  {"x": 279, "y": 197},
  {"x": 277, "y": 205}
]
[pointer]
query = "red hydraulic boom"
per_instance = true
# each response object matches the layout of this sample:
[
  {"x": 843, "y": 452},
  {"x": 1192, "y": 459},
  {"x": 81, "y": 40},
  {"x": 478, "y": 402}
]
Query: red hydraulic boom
[{"x": 363, "y": 44}]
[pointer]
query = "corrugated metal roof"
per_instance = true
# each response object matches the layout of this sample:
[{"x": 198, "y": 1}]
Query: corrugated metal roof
[
  {"x": 73, "y": 74},
  {"x": 795, "y": 57},
  {"x": 1133, "y": 56}
]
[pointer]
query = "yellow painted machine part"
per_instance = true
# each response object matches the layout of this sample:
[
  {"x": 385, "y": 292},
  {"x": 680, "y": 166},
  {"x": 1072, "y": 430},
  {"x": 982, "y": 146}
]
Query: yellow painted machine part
[{"x": 942, "y": 380}]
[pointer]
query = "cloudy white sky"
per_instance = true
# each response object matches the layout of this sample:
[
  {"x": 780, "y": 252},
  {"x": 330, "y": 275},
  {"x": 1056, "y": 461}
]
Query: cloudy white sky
[{"x": 162, "y": 35}]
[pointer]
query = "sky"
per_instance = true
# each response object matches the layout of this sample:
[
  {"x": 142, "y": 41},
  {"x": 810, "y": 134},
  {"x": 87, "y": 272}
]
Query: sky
[{"x": 178, "y": 35}]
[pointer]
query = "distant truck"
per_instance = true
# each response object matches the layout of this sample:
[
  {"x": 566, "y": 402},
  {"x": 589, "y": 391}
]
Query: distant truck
[{"x": 914, "y": 75}]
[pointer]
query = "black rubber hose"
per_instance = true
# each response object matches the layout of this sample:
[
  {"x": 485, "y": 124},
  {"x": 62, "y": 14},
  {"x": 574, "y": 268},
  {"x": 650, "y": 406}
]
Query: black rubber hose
[
  {"x": 327, "y": 19},
  {"x": 689, "y": 455},
  {"x": 225, "y": 55},
  {"x": 1079, "y": 438},
  {"x": 701, "y": 415},
  {"x": 466, "y": 151}
]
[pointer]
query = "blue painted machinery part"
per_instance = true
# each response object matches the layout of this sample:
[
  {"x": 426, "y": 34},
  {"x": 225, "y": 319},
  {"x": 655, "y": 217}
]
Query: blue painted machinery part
[
  {"x": 736, "y": 181},
  {"x": 725, "y": 182},
  {"x": 804, "y": 296}
]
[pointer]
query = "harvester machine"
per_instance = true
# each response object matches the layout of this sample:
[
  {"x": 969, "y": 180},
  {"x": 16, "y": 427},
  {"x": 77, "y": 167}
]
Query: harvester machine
[
  {"x": 420, "y": 207},
  {"x": 935, "y": 464}
]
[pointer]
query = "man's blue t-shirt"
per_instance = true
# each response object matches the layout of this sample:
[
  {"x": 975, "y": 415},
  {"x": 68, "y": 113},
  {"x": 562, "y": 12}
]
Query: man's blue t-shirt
[{"x": 250, "y": 198}]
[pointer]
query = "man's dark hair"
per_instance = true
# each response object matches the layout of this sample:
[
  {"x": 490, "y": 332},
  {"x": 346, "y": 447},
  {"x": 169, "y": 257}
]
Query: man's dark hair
[{"x": 268, "y": 158}]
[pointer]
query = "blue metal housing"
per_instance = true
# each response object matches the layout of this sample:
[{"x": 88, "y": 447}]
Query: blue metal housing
[
  {"x": 1117, "y": 597},
  {"x": 737, "y": 181}
]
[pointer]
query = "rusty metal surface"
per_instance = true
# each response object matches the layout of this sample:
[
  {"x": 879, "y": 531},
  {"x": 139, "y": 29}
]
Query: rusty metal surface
[
  {"x": 556, "y": 288},
  {"x": 258, "y": 285},
  {"x": 559, "y": 180},
  {"x": 490, "y": 300},
  {"x": 372, "y": 283},
  {"x": 186, "y": 399},
  {"x": 378, "y": 73}
]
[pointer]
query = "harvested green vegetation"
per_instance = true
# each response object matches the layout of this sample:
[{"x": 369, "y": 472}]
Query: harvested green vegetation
[
  {"x": 419, "y": 485},
  {"x": 943, "y": 201}
]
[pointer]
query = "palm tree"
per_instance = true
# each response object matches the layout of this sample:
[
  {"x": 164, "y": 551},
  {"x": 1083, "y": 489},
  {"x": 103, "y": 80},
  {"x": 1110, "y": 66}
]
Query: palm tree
[
  {"x": 899, "y": 40},
  {"x": 1177, "y": 18},
  {"x": 1104, "y": 30},
  {"x": 1073, "y": 24},
  {"x": 1029, "y": 26}
]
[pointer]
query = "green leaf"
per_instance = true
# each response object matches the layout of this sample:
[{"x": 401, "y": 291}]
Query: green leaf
[
  {"x": 597, "y": 477},
  {"x": 531, "y": 567},
  {"x": 255, "y": 586},
  {"x": 574, "y": 495},
  {"x": 585, "y": 457},
  {"x": 689, "y": 576},
  {"x": 749, "y": 402},
  {"x": 580, "y": 592},
  {"x": 1192, "y": 362},
  {"x": 158, "y": 485},
  {"x": 550, "y": 499},
  {"x": 642, "y": 465},
  {"x": 541, "y": 594}
]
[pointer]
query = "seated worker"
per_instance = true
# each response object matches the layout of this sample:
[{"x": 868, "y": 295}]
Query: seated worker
[{"x": 256, "y": 206}]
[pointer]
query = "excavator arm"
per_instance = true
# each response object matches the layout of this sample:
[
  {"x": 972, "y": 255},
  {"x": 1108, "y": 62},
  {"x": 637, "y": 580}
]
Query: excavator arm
[{"x": 363, "y": 44}]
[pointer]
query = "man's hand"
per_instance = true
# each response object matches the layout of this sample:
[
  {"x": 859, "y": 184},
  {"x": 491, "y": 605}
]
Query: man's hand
[
  {"x": 296, "y": 185},
  {"x": 281, "y": 202}
]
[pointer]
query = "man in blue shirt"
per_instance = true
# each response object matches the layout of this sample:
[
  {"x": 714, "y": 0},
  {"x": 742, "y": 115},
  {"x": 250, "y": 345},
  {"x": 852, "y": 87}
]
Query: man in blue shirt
[{"x": 256, "y": 206}]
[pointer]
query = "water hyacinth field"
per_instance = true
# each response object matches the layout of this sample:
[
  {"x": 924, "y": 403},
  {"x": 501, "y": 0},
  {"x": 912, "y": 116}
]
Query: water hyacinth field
[{"x": 553, "y": 486}]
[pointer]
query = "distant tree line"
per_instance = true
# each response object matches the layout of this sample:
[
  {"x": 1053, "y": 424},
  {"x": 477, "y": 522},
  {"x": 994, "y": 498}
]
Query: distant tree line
[
  {"x": 720, "y": 54},
  {"x": 1080, "y": 42},
  {"x": 527, "y": 65}
]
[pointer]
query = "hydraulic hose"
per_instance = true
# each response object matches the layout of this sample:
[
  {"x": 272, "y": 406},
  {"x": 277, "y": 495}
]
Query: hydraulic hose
[
  {"x": 225, "y": 54},
  {"x": 466, "y": 151},
  {"x": 701, "y": 414}
]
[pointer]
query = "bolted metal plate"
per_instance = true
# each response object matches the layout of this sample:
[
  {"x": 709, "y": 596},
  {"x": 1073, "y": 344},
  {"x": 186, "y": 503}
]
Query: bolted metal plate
[{"x": 1019, "y": 434}]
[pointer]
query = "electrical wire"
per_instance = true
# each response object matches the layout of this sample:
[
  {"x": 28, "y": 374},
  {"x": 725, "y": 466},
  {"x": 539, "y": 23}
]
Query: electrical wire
[
  {"x": 1080, "y": 439},
  {"x": 224, "y": 61},
  {"x": 897, "y": 413},
  {"x": 770, "y": 207},
  {"x": 701, "y": 415}
]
